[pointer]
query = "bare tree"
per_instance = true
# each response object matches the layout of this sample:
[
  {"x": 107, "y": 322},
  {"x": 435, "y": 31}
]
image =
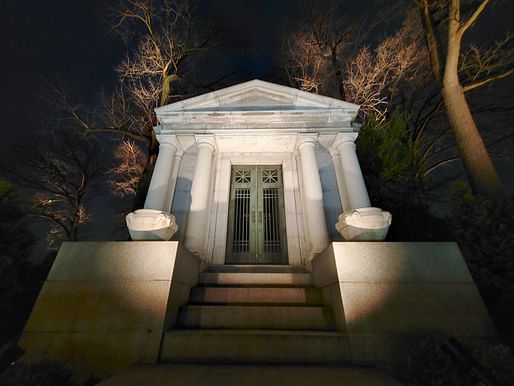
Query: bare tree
[
  {"x": 375, "y": 79},
  {"x": 59, "y": 171},
  {"x": 326, "y": 52},
  {"x": 458, "y": 70},
  {"x": 167, "y": 36},
  {"x": 171, "y": 35},
  {"x": 128, "y": 169},
  {"x": 397, "y": 74},
  {"x": 315, "y": 52}
]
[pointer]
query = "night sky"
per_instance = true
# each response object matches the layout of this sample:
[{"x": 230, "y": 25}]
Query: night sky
[{"x": 69, "y": 41}]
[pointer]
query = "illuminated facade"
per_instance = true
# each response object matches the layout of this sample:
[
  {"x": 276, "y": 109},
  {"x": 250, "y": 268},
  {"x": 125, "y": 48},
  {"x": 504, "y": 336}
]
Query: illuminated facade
[{"x": 259, "y": 173}]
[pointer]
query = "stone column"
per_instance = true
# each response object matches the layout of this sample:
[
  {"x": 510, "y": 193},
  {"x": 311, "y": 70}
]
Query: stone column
[
  {"x": 312, "y": 194},
  {"x": 198, "y": 219},
  {"x": 154, "y": 222},
  {"x": 359, "y": 220},
  {"x": 341, "y": 187},
  {"x": 353, "y": 181},
  {"x": 158, "y": 190}
]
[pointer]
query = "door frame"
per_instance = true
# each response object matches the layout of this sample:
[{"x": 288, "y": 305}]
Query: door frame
[{"x": 218, "y": 226}]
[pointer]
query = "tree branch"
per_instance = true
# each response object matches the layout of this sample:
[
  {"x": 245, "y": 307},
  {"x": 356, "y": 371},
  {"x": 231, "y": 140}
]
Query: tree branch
[
  {"x": 480, "y": 82},
  {"x": 432, "y": 45},
  {"x": 473, "y": 17},
  {"x": 439, "y": 164}
]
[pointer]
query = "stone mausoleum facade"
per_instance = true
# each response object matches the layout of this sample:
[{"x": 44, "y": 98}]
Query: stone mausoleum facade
[
  {"x": 258, "y": 243},
  {"x": 257, "y": 164}
]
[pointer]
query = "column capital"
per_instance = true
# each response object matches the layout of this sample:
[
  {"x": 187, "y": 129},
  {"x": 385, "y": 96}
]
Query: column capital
[
  {"x": 344, "y": 139},
  {"x": 168, "y": 140},
  {"x": 306, "y": 138},
  {"x": 206, "y": 139}
]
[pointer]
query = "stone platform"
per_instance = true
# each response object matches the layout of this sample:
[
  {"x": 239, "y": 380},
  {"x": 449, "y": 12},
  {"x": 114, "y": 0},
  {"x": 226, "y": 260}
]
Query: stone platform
[
  {"x": 107, "y": 306},
  {"x": 248, "y": 375}
]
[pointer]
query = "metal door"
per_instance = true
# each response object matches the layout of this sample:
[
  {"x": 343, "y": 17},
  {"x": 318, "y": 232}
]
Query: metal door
[{"x": 256, "y": 231}]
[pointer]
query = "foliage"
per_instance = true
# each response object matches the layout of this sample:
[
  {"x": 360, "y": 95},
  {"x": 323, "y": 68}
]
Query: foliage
[
  {"x": 484, "y": 229},
  {"x": 389, "y": 147},
  {"x": 16, "y": 243},
  {"x": 16, "y": 240},
  {"x": 40, "y": 374},
  {"x": 390, "y": 161},
  {"x": 447, "y": 362},
  {"x": 393, "y": 168},
  {"x": 483, "y": 226}
]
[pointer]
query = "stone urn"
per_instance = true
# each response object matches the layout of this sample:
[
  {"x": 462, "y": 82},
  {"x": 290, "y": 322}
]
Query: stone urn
[
  {"x": 364, "y": 224},
  {"x": 151, "y": 224}
]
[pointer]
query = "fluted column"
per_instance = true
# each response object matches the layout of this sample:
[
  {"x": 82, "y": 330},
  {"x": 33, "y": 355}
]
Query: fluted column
[
  {"x": 353, "y": 181},
  {"x": 158, "y": 191},
  {"x": 198, "y": 219},
  {"x": 312, "y": 194}
]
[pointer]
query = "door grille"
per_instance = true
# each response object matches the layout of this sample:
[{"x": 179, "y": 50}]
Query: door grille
[
  {"x": 271, "y": 220},
  {"x": 241, "y": 242}
]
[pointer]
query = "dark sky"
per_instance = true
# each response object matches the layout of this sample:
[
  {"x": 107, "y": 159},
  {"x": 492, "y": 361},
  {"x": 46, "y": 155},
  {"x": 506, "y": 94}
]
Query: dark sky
[{"x": 69, "y": 41}]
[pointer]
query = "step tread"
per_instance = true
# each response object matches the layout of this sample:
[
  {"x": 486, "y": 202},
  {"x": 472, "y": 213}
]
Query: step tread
[
  {"x": 250, "y": 331},
  {"x": 252, "y": 305},
  {"x": 257, "y": 295},
  {"x": 256, "y": 346},
  {"x": 296, "y": 317},
  {"x": 289, "y": 278},
  {"x": 256, "y": 268},
  {"x": 253, "y": 285}
]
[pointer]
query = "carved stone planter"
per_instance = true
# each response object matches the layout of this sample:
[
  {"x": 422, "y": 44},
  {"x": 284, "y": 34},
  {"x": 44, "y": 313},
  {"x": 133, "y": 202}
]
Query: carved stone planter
[
  {"x": 364, "y": 224},
  {"x": 151, "y": 224}
]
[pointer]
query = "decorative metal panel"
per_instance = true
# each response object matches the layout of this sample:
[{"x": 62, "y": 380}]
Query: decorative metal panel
[
  {"x": 242, "y": 176},
  {"x": 269, "y": 176}
]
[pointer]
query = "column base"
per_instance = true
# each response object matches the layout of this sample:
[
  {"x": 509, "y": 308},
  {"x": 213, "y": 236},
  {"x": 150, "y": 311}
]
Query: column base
[
  {"x": 364, "y": 224},
  {"x": 151, "y": 224}
]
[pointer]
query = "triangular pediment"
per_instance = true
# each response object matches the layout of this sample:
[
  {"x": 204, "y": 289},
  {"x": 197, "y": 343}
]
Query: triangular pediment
[{"x": 256, "y": 95}]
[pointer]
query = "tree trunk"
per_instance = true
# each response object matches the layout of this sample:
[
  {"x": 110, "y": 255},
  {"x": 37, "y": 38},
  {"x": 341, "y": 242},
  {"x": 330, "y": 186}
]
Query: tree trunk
[{"x": 479, "y": 167}]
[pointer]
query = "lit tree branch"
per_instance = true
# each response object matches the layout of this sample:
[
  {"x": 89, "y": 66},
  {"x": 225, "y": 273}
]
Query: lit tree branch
[{"x": 473, "y": 17}]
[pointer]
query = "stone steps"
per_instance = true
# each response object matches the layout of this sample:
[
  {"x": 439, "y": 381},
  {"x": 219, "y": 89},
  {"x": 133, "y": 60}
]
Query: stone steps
[
  {"x": 255, "y": 346},
  {"x": 249, "y": 278},
  {"x": 255, "y": 314},
  {"x": 256, "y": 317},
  {"x": 256, "y": 295}
]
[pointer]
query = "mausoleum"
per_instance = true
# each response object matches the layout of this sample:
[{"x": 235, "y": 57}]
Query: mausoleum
[{"x": 257, "y": 243}]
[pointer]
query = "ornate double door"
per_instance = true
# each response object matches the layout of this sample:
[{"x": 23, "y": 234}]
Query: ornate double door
[{"x": 256, "y": 229}]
